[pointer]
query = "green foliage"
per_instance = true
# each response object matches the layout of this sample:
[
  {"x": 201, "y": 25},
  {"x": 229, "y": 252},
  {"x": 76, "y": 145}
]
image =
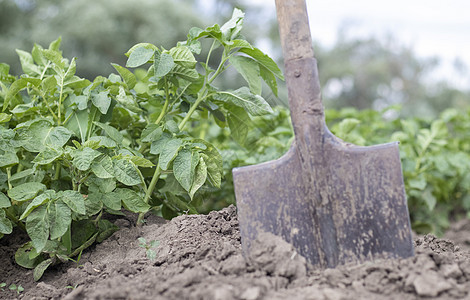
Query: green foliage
[
  {"x": 72, "y": 150},
  {"x": 149, "y": 252},
  {"x": 13, "y": 287}
]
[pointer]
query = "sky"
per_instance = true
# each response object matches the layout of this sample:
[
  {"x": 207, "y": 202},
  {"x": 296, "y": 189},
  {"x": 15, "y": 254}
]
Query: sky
[{"x": 432, "y": 27}]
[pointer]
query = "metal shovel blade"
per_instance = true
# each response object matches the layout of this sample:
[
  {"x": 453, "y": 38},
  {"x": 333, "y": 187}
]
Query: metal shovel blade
[{"x": 334, "y": 202}]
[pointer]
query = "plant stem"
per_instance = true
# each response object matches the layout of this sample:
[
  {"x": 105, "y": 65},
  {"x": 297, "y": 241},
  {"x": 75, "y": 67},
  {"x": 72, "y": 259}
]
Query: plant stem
[
  {"x": 220, "y": 68},
  {"x": 148, "y": 194},
  {"x": 85, "y": 245},
  {"x": 165, "y": 106},
  {"x": 57, "y": 171},
  {"x": 210, "y": 52},
  {"x": 67, "y": 240},
  {"x": 191, "y": 111},
  {"x": 60, "y": 101},
  {"x": 8, "y": 178},
  {"x": 45, "y": 69},
  {"x": 98, "y": 218}
]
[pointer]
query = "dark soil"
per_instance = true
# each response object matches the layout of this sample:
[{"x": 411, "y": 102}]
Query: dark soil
[{"x": 199, "y": 257}]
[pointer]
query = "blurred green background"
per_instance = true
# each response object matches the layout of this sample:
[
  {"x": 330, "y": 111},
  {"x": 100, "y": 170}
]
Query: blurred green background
[{"x": 374, "y": 72}]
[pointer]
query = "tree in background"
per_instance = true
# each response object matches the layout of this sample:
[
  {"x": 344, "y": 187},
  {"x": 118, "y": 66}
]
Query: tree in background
[
  {"x": 377, "y": 73},
  {"x": 97, "y": 32}
]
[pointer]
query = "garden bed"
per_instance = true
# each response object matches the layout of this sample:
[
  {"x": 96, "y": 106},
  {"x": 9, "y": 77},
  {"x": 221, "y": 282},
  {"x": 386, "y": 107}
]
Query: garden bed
[{"x": 199, "y": 257}]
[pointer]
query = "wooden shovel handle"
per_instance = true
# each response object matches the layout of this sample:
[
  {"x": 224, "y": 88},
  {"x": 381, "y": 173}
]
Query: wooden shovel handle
[
  {"x": 301, "y": 74},
  {"x": 294, "y": 29}
]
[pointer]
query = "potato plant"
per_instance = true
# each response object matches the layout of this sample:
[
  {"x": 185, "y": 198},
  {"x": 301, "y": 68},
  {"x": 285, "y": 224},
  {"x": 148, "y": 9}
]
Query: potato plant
[{"x": 72, "y": 150}]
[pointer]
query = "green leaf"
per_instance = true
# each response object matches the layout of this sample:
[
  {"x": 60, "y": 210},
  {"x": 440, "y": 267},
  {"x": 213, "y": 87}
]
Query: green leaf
[
  {"x": 269, "y": 78},
  {"x": 101, "y": 101},
  {"x": 101, "y": 141},
  {"x": 60, "y": 218},
  {"x": 71, "y": 69},
  {"x": 264, "y": 60},
  {"x": 8, "y": 159},
  {"x": 213, "y": 161},
  {"x": 185, "y": 73},
  {"x": 93, "y": 204},
  {"x": 56, "y": 58},
  {"x": 139, "y": 161},
  {"x": 184, "y": 167},
  {"x": 26, "y": 191},
  {"x": 22, "y": 256},
  {"x": 20, "y": 109},
  {"x": 128, "y": 101},
  {"x": 239, "y": 123},
  {"x": 169, "y": 152},
  {"x": 41, "y": 268},
  {"x": 27, "y": 63},
  {"x": 37, "y": 202},
  {"x": 4, "y": 201},
  {"x": 47, "y": 156},
  {"x": 57, "y": 137},
  {"x": 132, "y": 201},
  {"x": 163, "y": 64},
  {"x": 103, "y": 185},
  {"x": 15, "y": 87},
  {"x": 183, "y": 56},
  {"x": 78, "y": 124},
  {"x": 22, "y": 174},
  {"x": 238, "y": 44},
  {"x": 4, "y": 117},
  {"x": 139, "y": 56},
  {"x": 418, "y": 183},
  {"x": 151, "y": 133},
  {"x": 127, "y": 76},
  {"x": 126, "y": 172},
  {"x": 429, "y": 199},
  {"x": 199, "y": 178},
  {"x": 250, "y": 71},
  {"x": 37, "y": 55},
  {"x": 4, "y": 69},
  {"x": 32, "y": 136},
  {"x": 103, "y": 167},
  {"x": 212, "y": 31},
  {"x": 157, "y": 146},
  {"x": 171, "y": 126},
  {"x": 55, "y": 45},
  {"x": 83, "y": 158},
  {"x": 37, "y": 227},
  {"x": 5, "y": 224},
  {"x": 111, "y": 132},
  {"x": 111, "y": 200},
  {"x": 74, "y": 201},
  {"x": 346, "y": 126},
  {"x": 193, "y": 46},
  {"x": 253, "y": 104},
  {"x": 232, "y": 27}
]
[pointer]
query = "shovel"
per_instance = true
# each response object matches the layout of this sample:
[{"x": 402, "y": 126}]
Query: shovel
[{"x": 335, "y": 202}]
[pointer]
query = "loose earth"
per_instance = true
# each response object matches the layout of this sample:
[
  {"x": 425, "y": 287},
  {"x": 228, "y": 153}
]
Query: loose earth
[{"x": 199, "y": 257}]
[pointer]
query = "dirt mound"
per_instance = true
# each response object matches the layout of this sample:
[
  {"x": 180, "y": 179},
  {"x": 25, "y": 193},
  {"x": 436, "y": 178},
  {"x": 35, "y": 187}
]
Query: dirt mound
[{"x": 199, "y": 257}]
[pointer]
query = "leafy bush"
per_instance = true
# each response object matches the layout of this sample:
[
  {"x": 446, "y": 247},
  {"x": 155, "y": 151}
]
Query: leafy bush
[{"x": 72, "y": 150}]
